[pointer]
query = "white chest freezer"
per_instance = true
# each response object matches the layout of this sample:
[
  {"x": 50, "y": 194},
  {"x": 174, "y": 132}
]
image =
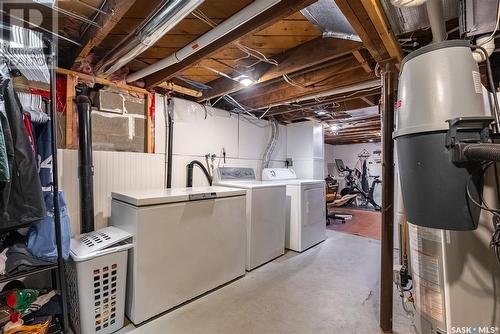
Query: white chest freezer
[{"x": 186, "y": 242}]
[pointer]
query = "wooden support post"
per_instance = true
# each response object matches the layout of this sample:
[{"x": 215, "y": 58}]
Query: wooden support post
[
  {"x": 387, "y": 240},
  {"x": 149, "y": 125},
  {"x": 71, "y": 81}
]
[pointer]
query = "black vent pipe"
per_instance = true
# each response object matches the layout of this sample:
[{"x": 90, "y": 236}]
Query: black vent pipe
[
  {"x": 170, "y": 143},
  {"x": 190, "y": 168},
  {"x": 85, "y": 165}
]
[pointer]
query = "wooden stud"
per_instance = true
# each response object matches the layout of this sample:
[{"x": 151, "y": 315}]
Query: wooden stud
[
  {"x": 132, "y": 89},
  {"x": 71, "y": 81},
  {"x": 149, "y": 125},
  {"x": 379, "y": 20}
]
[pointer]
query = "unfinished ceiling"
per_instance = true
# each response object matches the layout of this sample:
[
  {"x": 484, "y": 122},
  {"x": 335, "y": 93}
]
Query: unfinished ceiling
[{"x": 304, "y": 59}]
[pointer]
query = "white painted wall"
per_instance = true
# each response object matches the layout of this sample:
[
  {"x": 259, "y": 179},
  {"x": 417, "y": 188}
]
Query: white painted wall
[
  {"x": 349, "y": 153},
  {"x": 113, "y": 171},
  {"x": 194, "y": 135},
  {"x": 198, "y": 131}
]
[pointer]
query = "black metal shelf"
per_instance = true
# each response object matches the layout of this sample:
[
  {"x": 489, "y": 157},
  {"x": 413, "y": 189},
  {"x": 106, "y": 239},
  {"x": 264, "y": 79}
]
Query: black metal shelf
[{"x": 37, "y": 270}]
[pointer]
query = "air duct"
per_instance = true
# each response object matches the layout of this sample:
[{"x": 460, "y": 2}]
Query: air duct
[
  {"x": 163, "y": 19},
  {"x": 272, "y": 143},
  {"x": 434, "y": 12},
  {"x": 326, "y": 15},
  {"x": 232, "y": 23}
]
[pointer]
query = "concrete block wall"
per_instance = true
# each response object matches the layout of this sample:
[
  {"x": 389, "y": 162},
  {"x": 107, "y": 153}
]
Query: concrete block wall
[{"x": 119, "y": 123}]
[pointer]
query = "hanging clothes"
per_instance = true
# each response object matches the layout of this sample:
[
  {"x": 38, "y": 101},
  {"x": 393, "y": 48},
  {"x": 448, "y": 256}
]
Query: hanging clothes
[
  {"x": 21, "y": 200},
  {"x": 4, "y": 160},
  {"x": 42, "y": 133}
]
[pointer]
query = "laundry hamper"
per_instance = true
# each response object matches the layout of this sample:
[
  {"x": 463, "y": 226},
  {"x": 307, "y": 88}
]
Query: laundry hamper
[{"x": 96, "y": 275}]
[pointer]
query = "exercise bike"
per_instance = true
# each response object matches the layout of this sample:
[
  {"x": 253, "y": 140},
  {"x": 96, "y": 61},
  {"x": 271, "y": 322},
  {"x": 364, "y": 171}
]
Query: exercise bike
[{"x": 353, "y": 188}]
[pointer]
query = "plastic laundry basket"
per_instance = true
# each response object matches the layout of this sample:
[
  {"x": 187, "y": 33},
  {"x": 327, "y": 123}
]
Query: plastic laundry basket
[{"x": 97, "y": 275}]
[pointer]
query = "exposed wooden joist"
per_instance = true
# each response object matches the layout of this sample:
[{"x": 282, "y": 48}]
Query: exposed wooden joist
[
  {"x": 293, "y": 60},
  {"x": 315, "y": 52},
  {"x": 133, "y": 89},
  {"x": 282, "y": 91},
  {"x": 363, "y": 60},
  {"x": 369, "y": 101},
  {"x": 313, "y": 103},
  {"x": 369, "y": 21},
  {"x": 94, "y": 35},
  {"x": 279, "y": 11}
]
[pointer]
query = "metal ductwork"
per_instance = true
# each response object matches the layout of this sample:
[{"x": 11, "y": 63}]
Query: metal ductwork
[
  {"x": 435, "y": 14},
  {"x": 329, "y": 18},
  {"x": 272, "y": 143},
  {"x": 232, "y": 23},
  {"x": 410, "y": 15},
  {"x": 163, "y": 19}
]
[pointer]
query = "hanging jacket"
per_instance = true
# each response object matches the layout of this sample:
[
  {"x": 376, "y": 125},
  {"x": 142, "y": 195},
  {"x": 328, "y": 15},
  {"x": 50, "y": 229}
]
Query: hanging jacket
[
  {"x": 4, "y": 160},
  {"x": 21, "y": 201},
  {"x": 42, "y": 133}
]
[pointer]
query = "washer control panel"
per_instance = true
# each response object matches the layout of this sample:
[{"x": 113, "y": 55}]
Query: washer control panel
[{"x": 235, "y": 173}]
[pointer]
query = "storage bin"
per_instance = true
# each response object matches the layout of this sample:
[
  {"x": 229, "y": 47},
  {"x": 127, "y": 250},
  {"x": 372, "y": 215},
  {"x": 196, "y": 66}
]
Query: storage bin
[{"x": 96, "y": 275}]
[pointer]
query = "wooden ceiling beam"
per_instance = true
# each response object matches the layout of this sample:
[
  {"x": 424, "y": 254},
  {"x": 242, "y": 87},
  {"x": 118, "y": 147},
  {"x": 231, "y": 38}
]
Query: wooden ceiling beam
[
  {"x": 94, "y": 35},
  {"x": 369, "y": 21},
  {"x": 336, "y": 76},
  {"x": 277, "y": 12},
  {"x": 293, "y": 60},
  {"x": 311, "y": 104}
]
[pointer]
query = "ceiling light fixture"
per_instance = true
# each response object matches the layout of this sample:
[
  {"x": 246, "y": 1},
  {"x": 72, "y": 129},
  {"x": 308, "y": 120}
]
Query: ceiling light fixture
[
  {"x": 334, "y": 127},
  {"x": 245, "y": 80}
]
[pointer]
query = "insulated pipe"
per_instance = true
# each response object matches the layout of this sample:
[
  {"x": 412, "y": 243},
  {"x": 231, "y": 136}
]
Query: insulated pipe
[
  {"x": 235, "y": 21},
  {"x": 167, "y": 16},
  {"x": 189, "y": 174},
  {"x": 436, "y": 20},
  {"x": 170, "y": 144},
  {"x": 85, "y": 165}
]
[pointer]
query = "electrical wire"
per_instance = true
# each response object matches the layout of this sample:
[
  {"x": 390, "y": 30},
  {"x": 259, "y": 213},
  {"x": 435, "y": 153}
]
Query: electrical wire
[
  {"x": 248, "y": 50},
  {"x": 495, "y": 239},
  {"x": 291, "y": 82}
]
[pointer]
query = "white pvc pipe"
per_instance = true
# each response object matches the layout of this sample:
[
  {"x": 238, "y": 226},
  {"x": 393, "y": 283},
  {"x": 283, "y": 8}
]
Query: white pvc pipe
[
  {"x": 407, "y": 3},
  {"x": 436, "y": 20},
  {"x": 235, "y": 21},
  {"x": 488, "y": 44}
]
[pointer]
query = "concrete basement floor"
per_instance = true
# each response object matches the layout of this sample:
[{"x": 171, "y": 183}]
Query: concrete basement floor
[{"x": 331, "y": 288}]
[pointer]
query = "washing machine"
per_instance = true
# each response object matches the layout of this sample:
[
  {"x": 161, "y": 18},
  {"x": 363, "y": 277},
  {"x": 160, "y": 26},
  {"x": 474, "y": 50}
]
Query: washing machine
[
  {"x": 265, "y": 213},
  {"x": 305, "y": 208}
]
